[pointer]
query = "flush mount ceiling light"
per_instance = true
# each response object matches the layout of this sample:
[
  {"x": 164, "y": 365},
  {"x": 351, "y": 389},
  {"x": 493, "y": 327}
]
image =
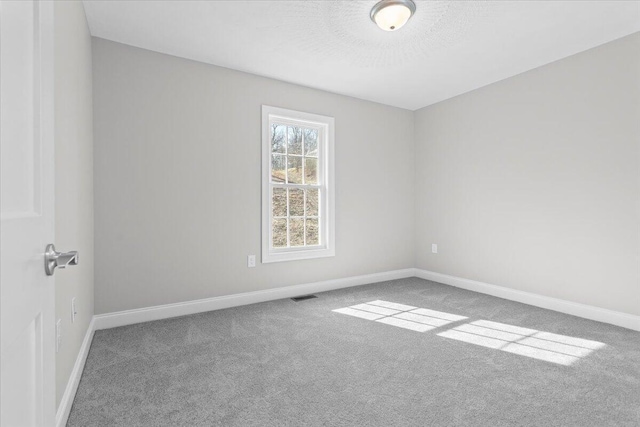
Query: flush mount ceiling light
[{"x": 391, "y": 15}]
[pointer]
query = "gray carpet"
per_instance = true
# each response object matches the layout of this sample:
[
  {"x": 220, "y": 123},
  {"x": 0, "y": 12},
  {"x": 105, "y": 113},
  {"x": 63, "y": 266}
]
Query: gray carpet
[{"x": 284, "y": 363}]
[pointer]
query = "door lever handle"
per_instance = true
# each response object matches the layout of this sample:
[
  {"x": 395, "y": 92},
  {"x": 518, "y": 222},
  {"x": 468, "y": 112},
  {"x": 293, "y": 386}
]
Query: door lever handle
[{"x": 53, "y": 259}]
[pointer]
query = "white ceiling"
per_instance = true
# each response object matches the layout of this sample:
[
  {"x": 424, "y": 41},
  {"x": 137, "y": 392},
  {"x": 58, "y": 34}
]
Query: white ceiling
[{"x": 447, "y": 48}]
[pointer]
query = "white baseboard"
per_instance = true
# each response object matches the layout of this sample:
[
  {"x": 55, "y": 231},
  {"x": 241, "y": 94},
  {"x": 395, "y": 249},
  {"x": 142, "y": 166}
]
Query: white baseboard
[
  {"x": 573, "y": 308},
  {"x": 129, "y": 317},
  {"x": 62, "y": 415}
]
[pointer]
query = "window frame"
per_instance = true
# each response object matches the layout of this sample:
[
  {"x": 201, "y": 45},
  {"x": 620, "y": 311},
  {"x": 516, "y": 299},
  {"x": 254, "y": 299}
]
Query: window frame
[{"x": 326, "y": 185}]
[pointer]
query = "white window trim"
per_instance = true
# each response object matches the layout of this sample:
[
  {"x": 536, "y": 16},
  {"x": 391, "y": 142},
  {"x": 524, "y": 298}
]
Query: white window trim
[{"x": 327, "y": 205}]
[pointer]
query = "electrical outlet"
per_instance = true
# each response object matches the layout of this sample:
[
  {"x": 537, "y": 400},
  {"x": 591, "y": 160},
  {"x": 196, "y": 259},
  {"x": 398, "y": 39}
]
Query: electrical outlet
[
  {"x": 58, "y": 334},
  {"x": 74, "y": 310},
  {"x": 434, "y": 248},
  {"x": 251, "y": 261}
]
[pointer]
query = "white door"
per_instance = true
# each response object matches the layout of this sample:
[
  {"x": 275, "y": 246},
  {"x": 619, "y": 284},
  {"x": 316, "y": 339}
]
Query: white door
[{"x": 27, "y": 337}]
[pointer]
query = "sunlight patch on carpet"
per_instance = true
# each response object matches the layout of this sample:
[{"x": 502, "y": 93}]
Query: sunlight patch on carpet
[
  {"x": 400, "y": 315},
  {"x": 554, "y": 348},
  {"x": 549, "y": 347}
]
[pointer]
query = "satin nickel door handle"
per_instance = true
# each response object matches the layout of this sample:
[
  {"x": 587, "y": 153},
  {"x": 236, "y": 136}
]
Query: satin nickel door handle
[{"x": 53, "y": 259}]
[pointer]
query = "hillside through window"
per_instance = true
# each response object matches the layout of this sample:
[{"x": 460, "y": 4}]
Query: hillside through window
[{"x": 298, "y": 222}]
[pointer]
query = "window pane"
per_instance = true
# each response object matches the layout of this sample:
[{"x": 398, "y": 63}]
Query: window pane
[
  {"x": 295, "y": 140},
  {"x": 295, "y": 170},
  {"x": 278, "y": 138},
  {"x": 312, "y": 202},
  {"x": 296, "y": 232},
  {"x": 278, "y": 168},
  {"x": 310, "y": 170},
  {"x": 296, "y": 202},
  {"x": 312, "y": 232},
  {"x": 279, "y": 233},
  {"x": 311, "y": 142},
  {"x": 279, "y": 202}
]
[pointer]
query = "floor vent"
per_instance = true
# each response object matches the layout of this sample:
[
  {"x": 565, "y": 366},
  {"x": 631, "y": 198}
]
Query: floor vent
[{"x": 303, "y": 298}]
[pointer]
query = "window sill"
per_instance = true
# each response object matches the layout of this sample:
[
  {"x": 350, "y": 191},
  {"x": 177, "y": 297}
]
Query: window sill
[{"x": 297, "y": 255}]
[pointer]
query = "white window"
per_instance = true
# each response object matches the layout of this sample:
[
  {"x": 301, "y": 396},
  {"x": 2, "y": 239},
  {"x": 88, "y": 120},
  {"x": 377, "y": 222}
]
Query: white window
[{"x": 297, "y": 185}]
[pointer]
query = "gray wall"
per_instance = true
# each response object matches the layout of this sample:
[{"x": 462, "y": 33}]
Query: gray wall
[
  {"x": 74, "y": 179},
  {"x": 177, "y": 181},
  {"x": 533, "y": 183}
]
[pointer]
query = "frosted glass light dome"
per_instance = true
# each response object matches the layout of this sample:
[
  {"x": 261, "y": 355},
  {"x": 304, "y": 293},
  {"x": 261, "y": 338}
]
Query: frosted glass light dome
[{"x": 391, "y": 15}]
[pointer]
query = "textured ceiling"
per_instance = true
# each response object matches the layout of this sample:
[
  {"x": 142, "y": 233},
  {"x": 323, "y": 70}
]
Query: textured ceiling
[{"x": 447, "y": 48}]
